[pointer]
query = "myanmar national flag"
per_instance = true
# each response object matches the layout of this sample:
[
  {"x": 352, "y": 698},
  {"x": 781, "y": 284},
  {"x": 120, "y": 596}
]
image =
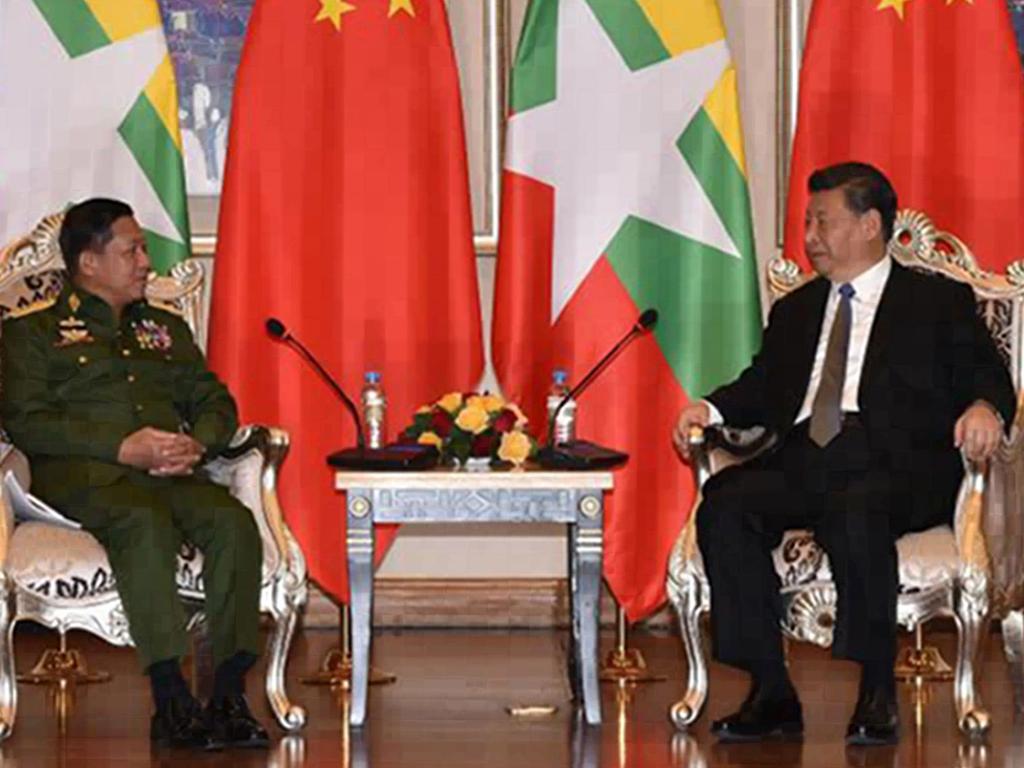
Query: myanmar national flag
[
  {"x": 929, "y": 91},
  {"x": 625, "y": 188},
  {"x": 90, "y": 109}
]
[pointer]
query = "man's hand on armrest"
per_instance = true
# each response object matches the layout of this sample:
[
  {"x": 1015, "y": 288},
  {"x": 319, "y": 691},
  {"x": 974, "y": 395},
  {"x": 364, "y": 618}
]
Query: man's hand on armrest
[
  {"x": 978, "y": 431},
  {"x": 160, "y": 453},
  {"x": 697, "y": 414}
]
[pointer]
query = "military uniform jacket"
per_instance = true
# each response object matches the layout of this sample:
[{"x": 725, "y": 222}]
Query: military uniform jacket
[{"x": 76, "y": 383}]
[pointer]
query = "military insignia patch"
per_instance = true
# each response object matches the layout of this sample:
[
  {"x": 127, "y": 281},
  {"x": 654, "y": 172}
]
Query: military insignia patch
[
  {"x": 73, "y": 331},
  {"x": 151, "y": 335}
]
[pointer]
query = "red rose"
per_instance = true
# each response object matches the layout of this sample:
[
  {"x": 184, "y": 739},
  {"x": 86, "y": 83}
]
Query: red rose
[
  {"x": 506, "y": 421},
  {"x": 484, "y": 444},
  {"x": 441, "y": 422}
]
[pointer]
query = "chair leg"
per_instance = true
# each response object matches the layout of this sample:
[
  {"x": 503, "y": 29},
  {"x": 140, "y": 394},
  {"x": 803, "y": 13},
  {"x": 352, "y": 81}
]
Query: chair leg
[
  {"x": 1013, "y": 647},
  {"x": 8, "y": 683},
  {"x": 971, "y": 613},
  {"x": 285, "y": 614},
  {"x": 691, "y": 602}
]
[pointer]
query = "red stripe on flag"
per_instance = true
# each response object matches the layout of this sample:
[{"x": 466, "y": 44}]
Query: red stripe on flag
[{"x": 632, "y": 407}]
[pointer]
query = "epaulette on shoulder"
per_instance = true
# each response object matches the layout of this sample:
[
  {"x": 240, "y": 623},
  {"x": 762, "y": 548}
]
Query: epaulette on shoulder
[
  {"x": 170, "y": 309},
  {"x": 28, "y": 309}
]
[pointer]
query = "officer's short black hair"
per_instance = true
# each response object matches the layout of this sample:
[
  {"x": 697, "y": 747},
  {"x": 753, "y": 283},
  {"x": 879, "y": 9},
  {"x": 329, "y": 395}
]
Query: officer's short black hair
[
  {"x": 87, "y": 225},
  {"x": 864, "y": 188}
]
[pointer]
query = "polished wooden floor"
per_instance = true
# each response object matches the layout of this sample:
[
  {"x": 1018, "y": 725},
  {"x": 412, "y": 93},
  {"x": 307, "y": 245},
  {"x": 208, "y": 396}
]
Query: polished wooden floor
[{"x": 447, "y": 709}]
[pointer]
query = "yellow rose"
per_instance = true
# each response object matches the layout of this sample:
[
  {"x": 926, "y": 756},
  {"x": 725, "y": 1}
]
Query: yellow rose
[
  {"x": 424, "y": 409},
  {"x": 473, "y": 419},
  {"x": 451, "y": 402},
  {"x": 429, "y": 438},
  {"x": 515, "y": 447},
  {"x": 493, "y": 403}
]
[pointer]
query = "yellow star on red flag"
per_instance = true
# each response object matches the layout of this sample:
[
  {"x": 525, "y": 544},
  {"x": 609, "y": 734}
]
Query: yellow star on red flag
[
  {"x": 401, "y": 5},
  {"x": 333, "y": 10},
  {"x": 896, "y": 5}
]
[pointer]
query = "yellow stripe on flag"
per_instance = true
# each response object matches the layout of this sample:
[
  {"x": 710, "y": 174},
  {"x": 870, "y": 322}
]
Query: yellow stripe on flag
[
  {"x": 124, "y": 18},
  {"x": 722, "y": 107},
  {"x": 163, "y": 95},
  {"x": 684, "y": 25}
]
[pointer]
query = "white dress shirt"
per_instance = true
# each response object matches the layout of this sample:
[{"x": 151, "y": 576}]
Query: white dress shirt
[{"x": 868, "y": 287}]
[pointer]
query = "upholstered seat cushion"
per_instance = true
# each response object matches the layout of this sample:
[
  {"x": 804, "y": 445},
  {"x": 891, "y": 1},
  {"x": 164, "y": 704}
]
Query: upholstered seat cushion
[
  {"x": 67, "y": 564},
  {"x": 926, "y": 559}
]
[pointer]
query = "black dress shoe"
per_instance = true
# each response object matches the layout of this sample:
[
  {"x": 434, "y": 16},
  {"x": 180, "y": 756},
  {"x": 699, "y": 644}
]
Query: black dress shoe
[
  {"x": 762, "y": 717},
  {"x": 180, "y": 723},
  {"x": 232, "y": 722},
  {"x": 876, "y": 719}
]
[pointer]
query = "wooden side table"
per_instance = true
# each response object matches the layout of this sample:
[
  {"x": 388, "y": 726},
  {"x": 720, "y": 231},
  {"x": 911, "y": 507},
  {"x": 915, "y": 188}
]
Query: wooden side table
[{"x": 502, "y": 496}]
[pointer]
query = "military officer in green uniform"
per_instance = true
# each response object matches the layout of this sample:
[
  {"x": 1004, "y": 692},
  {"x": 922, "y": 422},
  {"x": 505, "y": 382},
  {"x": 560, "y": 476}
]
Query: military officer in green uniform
[{"x": 113, "y": 403}]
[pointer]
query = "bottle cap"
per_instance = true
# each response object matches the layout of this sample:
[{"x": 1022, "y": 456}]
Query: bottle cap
[
  {"x": 372, "y": 377},
  {"x": 559, "y": 376}
]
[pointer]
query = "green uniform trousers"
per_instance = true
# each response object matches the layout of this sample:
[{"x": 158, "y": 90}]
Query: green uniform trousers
[{"x": 140, "y": 521}]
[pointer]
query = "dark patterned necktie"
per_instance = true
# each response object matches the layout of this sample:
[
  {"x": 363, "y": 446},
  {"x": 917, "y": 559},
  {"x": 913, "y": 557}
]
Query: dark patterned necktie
[{"x": 826, "y": 413}]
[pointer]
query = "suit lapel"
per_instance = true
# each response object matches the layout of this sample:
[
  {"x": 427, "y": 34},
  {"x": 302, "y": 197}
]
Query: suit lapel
[{"x": 886, "y": 322}]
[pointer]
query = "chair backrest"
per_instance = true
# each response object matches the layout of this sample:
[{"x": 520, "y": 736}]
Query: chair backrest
[
  {"x": 32, "y": 269},
  {"x": 918, "y": 244}
]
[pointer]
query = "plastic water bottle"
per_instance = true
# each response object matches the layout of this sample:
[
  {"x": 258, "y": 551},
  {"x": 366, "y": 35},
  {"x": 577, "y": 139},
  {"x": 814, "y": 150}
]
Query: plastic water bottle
[
  {"x": 565, "y": 425},
  {"x": 375, "y": 407}
]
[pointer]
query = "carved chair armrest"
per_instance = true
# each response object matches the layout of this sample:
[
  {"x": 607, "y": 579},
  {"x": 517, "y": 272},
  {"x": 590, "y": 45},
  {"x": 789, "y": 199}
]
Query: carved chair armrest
[
  {"x": 989, "y": 521},
  {"x": 233, "y": 468},
  {"x": 712, "y": 449},
  {"x": 11, "y": 460}
]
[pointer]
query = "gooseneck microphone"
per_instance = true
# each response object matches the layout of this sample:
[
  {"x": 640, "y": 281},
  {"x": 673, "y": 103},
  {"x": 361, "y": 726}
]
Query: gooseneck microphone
[
  {"x": 278, "y": 330},
  {"x": 647, "y": 320},
  {"x": 390, "y": 458}
]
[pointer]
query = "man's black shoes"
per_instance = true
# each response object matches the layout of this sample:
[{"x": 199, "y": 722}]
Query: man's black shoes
[
  {"x": 180, "y": 723},
  {"x": 876, "y": 719},
  {"x": 231, "y": 721},
  {"x": 763, "y": 716}
]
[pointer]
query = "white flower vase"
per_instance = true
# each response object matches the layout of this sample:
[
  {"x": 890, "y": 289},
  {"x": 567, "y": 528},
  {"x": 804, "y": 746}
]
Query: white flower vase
[{"x": 477, "y": 464}]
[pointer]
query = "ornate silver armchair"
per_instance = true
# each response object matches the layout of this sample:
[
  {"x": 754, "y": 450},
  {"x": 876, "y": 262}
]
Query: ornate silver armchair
[
  {"x": 61, "y": 578},
  {"x": 971, "y": 572}
]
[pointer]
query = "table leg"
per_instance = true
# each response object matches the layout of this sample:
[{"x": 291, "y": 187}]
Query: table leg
[
  {"x": 359, "y": 545},
  {"x": 573, "y": 647},
  {"x": 587, "y": 545}
]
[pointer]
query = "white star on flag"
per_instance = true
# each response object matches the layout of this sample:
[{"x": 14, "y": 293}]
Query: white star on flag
[
  {"x": 59, "y": 141},
  {"x": 607, "y": 144}
]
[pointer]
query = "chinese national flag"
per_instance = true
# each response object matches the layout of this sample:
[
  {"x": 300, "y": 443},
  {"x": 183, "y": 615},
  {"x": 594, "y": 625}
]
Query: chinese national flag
[
  {"x": 345, "y": 214},
  {"x": 930, "y": 92}
]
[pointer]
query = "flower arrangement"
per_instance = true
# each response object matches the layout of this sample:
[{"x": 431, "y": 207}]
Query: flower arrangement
[{"x": 473, "y": 426}]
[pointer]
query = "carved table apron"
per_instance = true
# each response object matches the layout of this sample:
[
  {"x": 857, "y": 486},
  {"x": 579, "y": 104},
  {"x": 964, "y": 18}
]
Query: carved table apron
[{"x": 449, "y": 496}]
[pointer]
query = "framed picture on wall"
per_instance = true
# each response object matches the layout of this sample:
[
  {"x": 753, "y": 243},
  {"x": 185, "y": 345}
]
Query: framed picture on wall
[{"x": 205, "y": 38}]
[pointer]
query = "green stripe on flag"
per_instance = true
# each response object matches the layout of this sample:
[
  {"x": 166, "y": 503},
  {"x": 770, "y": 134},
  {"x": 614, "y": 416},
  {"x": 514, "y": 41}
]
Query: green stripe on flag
[
  {"x": 709, "y": 326},
  {"x": 74, "y": 25},
  {"x": 164, "y": 252},
  {"x": 630, "y": 30},
  {"x": 722, "y": 180},
  {"x": 533, "y": 74},
  {"x": 156, "y": 153}
]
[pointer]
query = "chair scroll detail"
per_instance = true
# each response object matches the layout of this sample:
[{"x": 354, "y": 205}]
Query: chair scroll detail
[{"x": 972, "y": 573}]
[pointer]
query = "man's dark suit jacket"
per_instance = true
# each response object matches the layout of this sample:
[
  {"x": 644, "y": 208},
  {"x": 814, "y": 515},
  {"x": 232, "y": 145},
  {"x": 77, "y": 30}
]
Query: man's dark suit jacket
[{"x": 929, "y": 357}]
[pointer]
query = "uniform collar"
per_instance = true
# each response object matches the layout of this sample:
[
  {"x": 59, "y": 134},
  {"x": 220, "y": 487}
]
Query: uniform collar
[{"x": 81, "y": 303}]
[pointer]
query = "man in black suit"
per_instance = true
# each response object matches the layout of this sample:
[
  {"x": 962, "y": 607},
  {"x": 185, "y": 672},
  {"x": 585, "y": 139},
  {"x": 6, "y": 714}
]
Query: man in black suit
[{"x": 872, "y": 377}]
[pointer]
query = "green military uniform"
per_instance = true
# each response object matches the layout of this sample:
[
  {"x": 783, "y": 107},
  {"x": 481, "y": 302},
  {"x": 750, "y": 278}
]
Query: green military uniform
[{"x": 76, "y": 383}]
